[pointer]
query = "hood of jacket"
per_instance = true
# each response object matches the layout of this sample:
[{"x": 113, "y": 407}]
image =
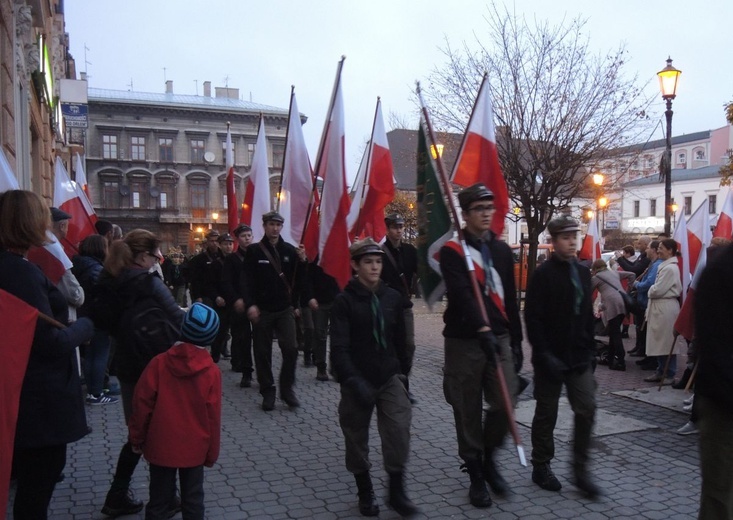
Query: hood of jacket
[{"x": 185, "y": 360}]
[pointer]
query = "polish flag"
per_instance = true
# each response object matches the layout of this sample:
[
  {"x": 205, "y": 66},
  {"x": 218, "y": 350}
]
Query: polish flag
[
  {"x": 298, "y": 200},
  {"x": 698, "y": 234},
  {"x": 478, "y": 160},
  {"x": 69, "y": 197},
  {"x": 591, "y": 247},
  {"x": 231, "y": 190},
  {"x": 375, "y": 189},
  {"x": 724, "y": 227},
  {"x": 685, "y": 323},
  {"x": 18, "y": 323},
  {"x": 333, "y": 243},
  {"x": 81, "y": 177},
  {"x": 257, "y": 194},
  {"x": 680, "y": 236}
]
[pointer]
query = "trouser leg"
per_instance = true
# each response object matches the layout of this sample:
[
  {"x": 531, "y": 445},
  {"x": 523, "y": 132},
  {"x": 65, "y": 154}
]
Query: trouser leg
[
  {"x": 162, "y": 492},
  {"x": 394, "y": 416},
  {"x": 321, "y": 318},
  {"x": 37, "y": 470},
  {"x": 581, "y": 390},
  {"x": 547, "y": 396},
  {"x": 354, "y": 419},
  {"x": 615, "y": 342},
  {"x": 262, "y": 334},
  {"x": 238, "y": 322},
  {"x": 496, "y": 423},
  {"x": 716, "y": 458},
  {"x": 409, "y": 332},
  {"x": 285, "y": 326},
  {"x": 218, "y": 347},
  {"x": 192, "y": 492}
]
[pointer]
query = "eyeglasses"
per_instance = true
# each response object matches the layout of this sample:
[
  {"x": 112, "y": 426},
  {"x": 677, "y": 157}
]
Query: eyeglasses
[{"x": 483, "y": 208}]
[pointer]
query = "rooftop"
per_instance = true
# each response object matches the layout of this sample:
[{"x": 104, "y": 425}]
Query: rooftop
[{"x": 678, "y": 175}]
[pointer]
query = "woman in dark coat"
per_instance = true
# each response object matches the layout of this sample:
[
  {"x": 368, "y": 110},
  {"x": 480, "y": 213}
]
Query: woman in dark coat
[{"x": 51, "y": 412}]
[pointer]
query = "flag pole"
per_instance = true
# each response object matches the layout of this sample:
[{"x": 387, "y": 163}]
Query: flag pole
[
  {"x": 448, "y": 191},
  {"x": 321, "y": 150},
  {"x": 285, "y": 151}
]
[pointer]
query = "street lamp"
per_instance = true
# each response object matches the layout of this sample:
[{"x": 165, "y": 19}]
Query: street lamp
[
  {"x": 215, "y": 218},
  {"x": 674, "y": 213},
  {"x": 602, "y": 204},
  {"x": 668, "y": 77},
  {"x": 516, "y": 212}
]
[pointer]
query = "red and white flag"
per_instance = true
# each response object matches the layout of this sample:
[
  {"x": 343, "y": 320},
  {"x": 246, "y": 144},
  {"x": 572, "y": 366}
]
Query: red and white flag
[
  {"x": 685, "y": 323},
  {"x": 298, "y": 195},
  {"x": 81, "y": 177},
  {"x": 231, "y": 189},
  {"x": 257, "y": 195},
  {"x": 333, "y": 243},
  {"x": 591, "y": 247},
  {"x": 8, "y": 181},
  {"x": 698, "y": 235},
  {"x": 375, "y": 189},
  {"x": 478, "y": 160},
  {"x": 18, "y": 323},
  {"x": 68, "y": 197},
  {"x": 680, "y": 236},
  {"x": 724, "y": 227}
]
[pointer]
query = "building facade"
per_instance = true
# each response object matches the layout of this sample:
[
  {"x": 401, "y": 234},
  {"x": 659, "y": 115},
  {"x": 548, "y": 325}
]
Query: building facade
[{"x": 157, "y": 160}]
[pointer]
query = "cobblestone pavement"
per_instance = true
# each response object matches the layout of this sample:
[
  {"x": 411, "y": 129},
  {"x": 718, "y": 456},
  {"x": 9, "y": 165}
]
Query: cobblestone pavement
[{"x": 289, "y": 464}]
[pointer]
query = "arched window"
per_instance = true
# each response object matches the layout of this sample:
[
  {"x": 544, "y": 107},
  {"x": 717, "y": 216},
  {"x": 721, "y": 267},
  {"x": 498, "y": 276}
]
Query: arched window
[
  {"x": 110, "y": 182},
  {"x": 198, "y": 194},
  {"x": 139, "y": 189},
  {"x": 166, "y": 183}
]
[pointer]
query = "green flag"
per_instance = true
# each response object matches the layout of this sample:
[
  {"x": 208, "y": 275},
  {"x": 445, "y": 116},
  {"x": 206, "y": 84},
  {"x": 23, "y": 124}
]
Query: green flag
[{"x": 434, "y": 227}]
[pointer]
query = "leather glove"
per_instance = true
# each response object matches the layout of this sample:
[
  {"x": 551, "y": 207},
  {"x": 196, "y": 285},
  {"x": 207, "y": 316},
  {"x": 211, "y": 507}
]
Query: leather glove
[
  {"x": 490, "y": 345},
  {"x": 518, "y": 356},
  {"x": 556, "y": 368},
  {"x": 364, "y": 392}
]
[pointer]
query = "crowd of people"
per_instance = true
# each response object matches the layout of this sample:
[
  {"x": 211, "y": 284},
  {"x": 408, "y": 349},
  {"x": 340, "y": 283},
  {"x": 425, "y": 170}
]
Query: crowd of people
[{"x": 160, "y": 331}]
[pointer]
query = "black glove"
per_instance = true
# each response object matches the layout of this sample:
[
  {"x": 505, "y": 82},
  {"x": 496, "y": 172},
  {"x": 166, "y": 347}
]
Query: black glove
[
  {"x": 518, "y": 355},
  {"x": 364, "y": 392},
  {"x": 556, "y": 368},
  {"x": 490, "y": 345}
]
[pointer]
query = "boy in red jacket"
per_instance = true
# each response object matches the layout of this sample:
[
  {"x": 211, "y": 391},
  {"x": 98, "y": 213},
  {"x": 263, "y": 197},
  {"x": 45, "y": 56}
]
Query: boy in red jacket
[{"x": 176, "y": 418}]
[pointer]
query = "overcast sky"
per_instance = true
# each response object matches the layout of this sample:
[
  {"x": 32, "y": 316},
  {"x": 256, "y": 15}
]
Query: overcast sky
[{"x": 265, "y": 46}]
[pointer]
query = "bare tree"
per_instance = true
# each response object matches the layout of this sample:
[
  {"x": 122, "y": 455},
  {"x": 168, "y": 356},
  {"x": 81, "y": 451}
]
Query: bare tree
[{"x": 559, "y": 107}]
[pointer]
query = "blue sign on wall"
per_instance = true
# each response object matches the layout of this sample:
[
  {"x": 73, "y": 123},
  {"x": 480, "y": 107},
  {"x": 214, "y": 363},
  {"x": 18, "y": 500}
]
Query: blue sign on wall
[{"x": 75, "y": 115}]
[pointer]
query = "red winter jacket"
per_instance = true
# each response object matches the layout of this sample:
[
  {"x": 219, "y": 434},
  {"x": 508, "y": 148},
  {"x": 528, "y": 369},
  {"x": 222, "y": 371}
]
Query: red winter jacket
[{"x": 176, "y": 417}]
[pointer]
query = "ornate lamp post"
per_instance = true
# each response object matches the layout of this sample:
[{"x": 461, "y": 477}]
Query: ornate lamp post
[
  {"x": 215, "y": 217},
  {"x": 668, "y": 77}
]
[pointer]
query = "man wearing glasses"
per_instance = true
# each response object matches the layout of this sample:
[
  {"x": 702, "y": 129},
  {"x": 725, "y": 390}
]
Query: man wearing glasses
[{"x": 472, "y": 346}]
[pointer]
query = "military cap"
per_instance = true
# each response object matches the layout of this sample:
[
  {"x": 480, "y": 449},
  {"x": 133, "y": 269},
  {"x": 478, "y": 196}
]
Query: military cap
[
  {"x": 213, "y": 233},
  {"x": 226, "y": 237},
  {"x": 394, "y": 219},
  {"x": 563, "y": 224},
  {"x": 365, "y": 247},
  {"x": 241, "y": 228},
  {"x": 57, "y": 215},
  {"x": 272, "y": 216},
  {"x": 473, "y": 194}
]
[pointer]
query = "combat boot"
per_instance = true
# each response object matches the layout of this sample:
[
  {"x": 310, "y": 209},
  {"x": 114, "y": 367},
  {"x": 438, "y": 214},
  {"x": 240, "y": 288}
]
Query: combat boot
[
  {"x": 478, "y": 494},
  {"x": 367, "y": 501},
  {"x": 584, "y": 482},
  {"x": 543, "y": 476},
  {"x": 397, "y": 498},
  {"x": 496, "y": 482},
  {"x": 121, "y": 502}
]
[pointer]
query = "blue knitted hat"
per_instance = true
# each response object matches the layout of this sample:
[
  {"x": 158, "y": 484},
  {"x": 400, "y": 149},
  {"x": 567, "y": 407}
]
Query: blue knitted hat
[{"x": 200, "y": 325}]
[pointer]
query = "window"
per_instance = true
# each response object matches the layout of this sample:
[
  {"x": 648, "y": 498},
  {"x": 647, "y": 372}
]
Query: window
[
  {"x": 250, "y": 154},
  {"x": 163, "y": 199},
  {"x": 111, "y": 193},
  {"x": 166, "y": 184},
  {"x": 699, "y": 155},
  {"x": 199, "y": 196},
  {"x": 278, "y": 153},
  {"x": 648, "y": 161},
  {"x": 137, "y": 148},
  {"x": 198, "y": 192},
  {"x": 688, "y": 205},
  {"x": 197, "y": 151},
  {"x": 681, "y": 158},
  {"x": 109, "y": 146},
  {"x": 712, "y": 203},
  {"x": 139, "y": 191},
  {"x": 652, "y": 207},
  {"x": 224, "y": 153},
  {"x": 165, "y": 149},
  {"x": 636, "y": 208}
]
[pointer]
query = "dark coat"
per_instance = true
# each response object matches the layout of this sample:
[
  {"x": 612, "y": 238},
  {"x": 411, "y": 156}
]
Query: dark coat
[
  {"x": 51, "y": 408},
  {"x": 462, "y": 317},
  {"x": 265, "y": 288},
  {"x": 232, "y": 283},
  {"x": 400, "y": 277},
  {"x": 713, "y": 330},
  {"x": 87, "y": 270},
  {"x": 324, "y": 287},
  {"x": 204, "y": 272},
  {"x": 554, "y": 330},
  {"x": 354, "y": 350},
  {"x": 638, "y": 266}
]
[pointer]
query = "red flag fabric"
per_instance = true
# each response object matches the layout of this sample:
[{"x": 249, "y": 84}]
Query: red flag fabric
[
  {"x": 698, "y": 234},
  {"x": 591, "y": 247},
  {"x": 297, "y": 193},
  {"x": 257, "y": 195},
  {"x": 231, "y": 190},
  {"x": 69, "y": 197},
  {"x": 81, "y": 177},
  {"x": 478, "y": 160},
  {"x": 373, "y": 193},
  {"x": 333, "y": 242},
  {"x": 51, "y": 258},
  {"x": 724, "y": 227},
  {"x": 685, "y": 323},
  {"x": 18, "y": 325},
  {"x": 680, "y": 236}
]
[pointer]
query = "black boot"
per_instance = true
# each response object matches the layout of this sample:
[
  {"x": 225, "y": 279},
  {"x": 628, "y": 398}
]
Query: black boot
[
  {"x": 477, "y": 493},
  {"x": 367, "y": 501},
  {"x": 246, "y": 381},
  {"x": 496, "y": 482},
  {"x": 322, "y": 375},
  {"x": 584, "y": 482},
  {"x": 397, "y": 498},
  {"x": 682, "y": 383},
  {"x": 121, "y": 502},
  {"x": 543, "y": 476},
  {"x": 617, "y": 364}
]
